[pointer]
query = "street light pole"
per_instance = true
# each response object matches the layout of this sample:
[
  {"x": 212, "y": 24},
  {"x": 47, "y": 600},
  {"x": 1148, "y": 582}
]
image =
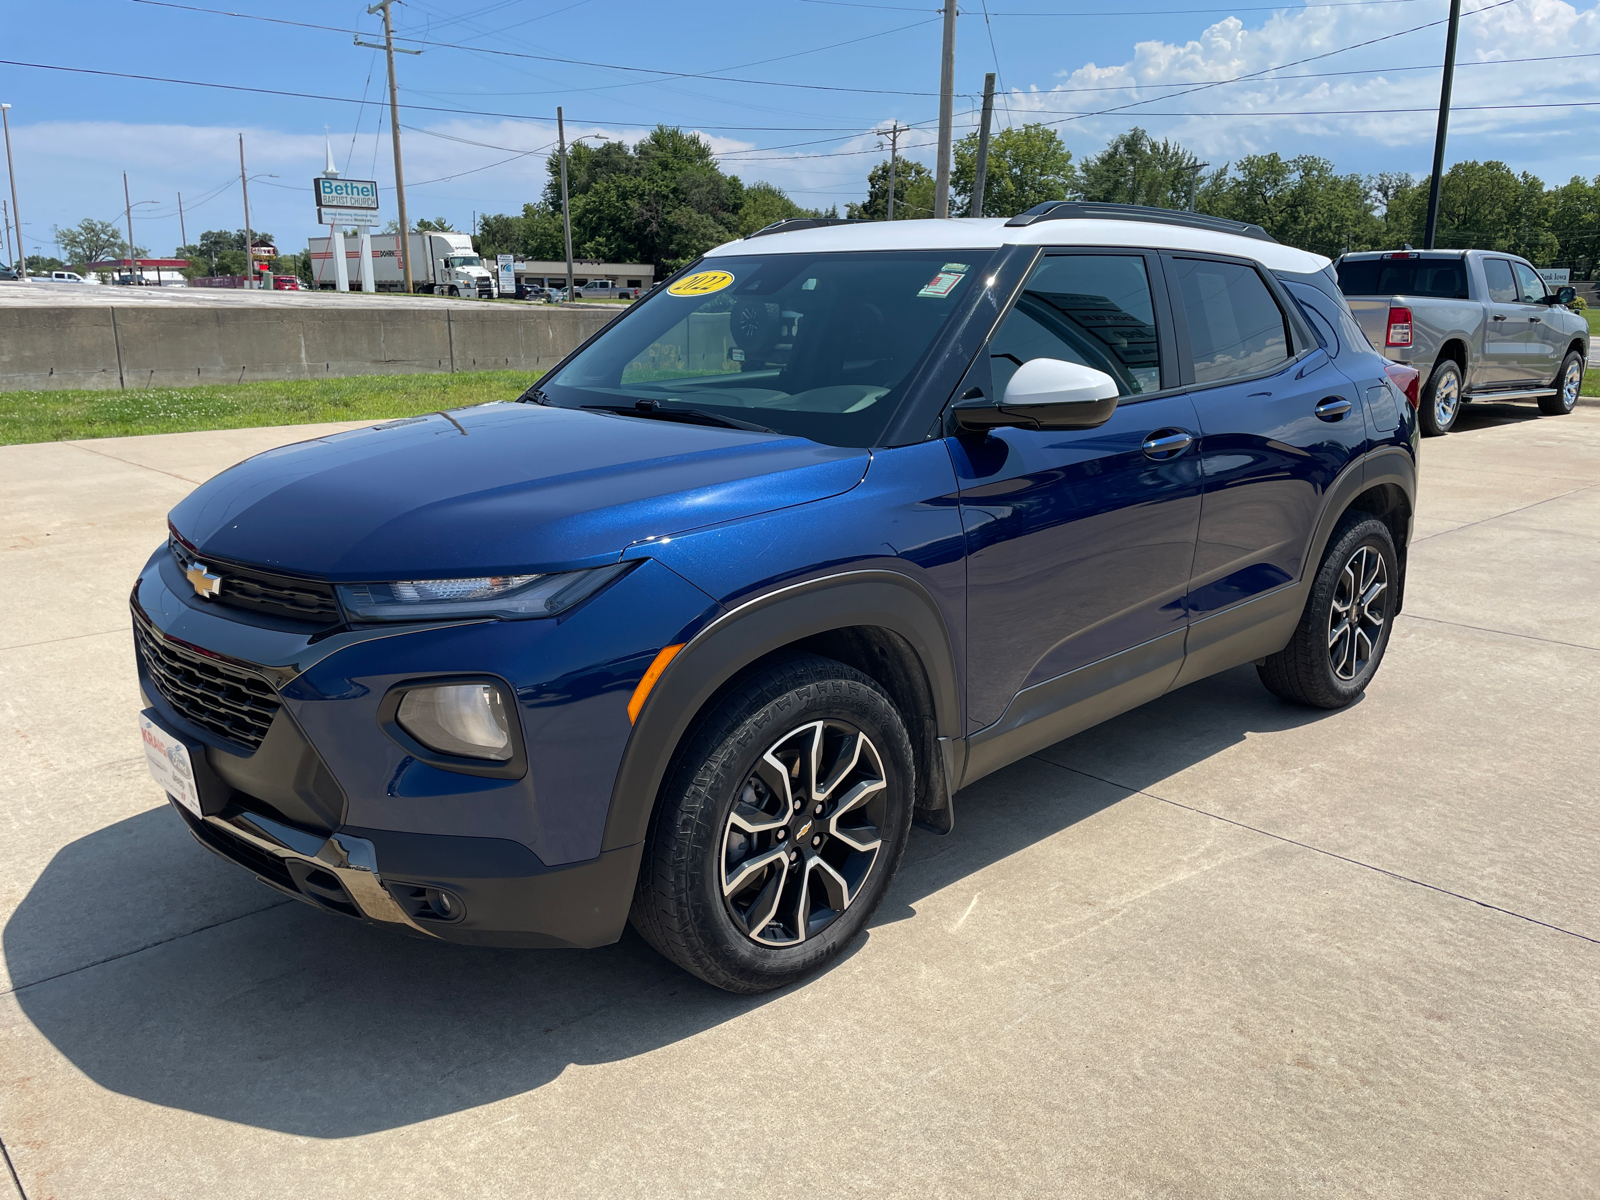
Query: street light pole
[
  {"x": 566, "y": 209},
  {"x": 16, "y": 210},
  {"x": 183, "y": 234},
  {"x": 404, "y": 243},
  {"x": 1445, "y": 83},
  {"x": 947, "y": 89},
  {"x": 249, "y": 255},
  {"x": 127, "y": 213}
]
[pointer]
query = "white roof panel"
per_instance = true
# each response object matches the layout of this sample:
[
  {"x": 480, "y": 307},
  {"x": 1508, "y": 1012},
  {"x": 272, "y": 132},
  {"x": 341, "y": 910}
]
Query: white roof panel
[{"x": 989, "y": 233}]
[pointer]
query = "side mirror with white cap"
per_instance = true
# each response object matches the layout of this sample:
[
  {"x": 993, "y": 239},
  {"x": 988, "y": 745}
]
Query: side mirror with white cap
[{"x": 1045, "y": 393}]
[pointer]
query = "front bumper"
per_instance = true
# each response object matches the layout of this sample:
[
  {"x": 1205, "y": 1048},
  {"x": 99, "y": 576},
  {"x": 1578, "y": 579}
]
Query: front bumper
[{"x": 488, "y": 893}]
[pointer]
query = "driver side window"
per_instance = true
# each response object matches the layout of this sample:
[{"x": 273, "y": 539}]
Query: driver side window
[
  {"x": 1530, "y": 288},
  {"x": 1091, "y": 309}
]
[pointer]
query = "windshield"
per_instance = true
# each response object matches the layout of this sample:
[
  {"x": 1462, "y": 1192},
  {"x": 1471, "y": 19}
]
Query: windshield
[
  {"x": 1441, "y": 278},
  {"x": 464, "y": 260},
  {"x": 816, "y": 345}
]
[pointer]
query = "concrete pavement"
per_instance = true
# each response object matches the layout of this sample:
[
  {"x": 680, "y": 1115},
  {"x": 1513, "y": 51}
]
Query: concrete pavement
[{"x": 1219, "y": 946}]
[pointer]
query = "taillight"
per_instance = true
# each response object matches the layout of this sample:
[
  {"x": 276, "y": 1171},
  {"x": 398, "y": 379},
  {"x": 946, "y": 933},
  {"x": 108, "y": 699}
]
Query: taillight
[
  {"x": 1408, "y": 380},
  {"x": 1399, "y": 327}
]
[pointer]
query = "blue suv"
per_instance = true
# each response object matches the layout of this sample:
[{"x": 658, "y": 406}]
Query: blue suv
[{"x": 837, "y": 520}]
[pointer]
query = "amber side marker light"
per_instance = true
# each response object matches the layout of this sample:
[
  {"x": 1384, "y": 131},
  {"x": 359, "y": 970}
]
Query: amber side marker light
[{"x": 642, "y": 692}]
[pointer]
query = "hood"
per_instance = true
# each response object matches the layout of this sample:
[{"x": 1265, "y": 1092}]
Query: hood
[{"x": 499, "y": 489}]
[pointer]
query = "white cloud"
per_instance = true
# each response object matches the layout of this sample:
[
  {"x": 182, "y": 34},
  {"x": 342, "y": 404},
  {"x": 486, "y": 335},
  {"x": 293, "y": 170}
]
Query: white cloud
[{"x": 1228, "y": 49}]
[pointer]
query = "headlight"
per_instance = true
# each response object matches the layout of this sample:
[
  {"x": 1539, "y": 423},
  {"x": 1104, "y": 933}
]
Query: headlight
[
  {"x": 482, "y": 596},
  {"x": 467, "y": 719}
]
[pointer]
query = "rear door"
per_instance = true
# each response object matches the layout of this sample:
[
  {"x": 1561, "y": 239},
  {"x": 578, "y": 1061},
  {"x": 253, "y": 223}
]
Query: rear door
[
  {"x": 1507, "y": 355},
  {"x": 1279, "y": 423},
  {"x": 1080, "y": 541}
]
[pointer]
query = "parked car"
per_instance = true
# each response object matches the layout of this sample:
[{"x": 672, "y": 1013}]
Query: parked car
[
  {"x": 839, "y": 520},
  {"x": 1478, "y": 325},
  {"x": 60, "y": 277},
  {"x": 287, "y": 283}
]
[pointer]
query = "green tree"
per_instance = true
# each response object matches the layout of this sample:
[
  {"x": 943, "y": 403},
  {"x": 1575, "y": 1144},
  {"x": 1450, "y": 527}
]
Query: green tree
[
  {"x": 219, "y": 252},
  {"x": 1575, "y": 222},
  {"x": 1134, "y": 168},
  {"x": 43, "y": 264},
  {"x": 436, "y": 225},
  {"x": 1483, "y": 206},
  {"x": 90, "y": 241},
  {"x": 913, "y": 193},
  {"x": 1027, "y": 166},
  {"x": 1301, "y": 201},
  {"x": 765, "y": 203}
]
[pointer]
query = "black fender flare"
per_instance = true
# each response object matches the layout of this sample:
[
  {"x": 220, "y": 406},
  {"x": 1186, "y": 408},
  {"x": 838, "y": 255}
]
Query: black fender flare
[{"x": 886, "y": 599}]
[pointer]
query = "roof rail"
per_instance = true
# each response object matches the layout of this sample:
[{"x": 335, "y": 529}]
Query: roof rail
[
  {"x": 1094, "y": 210},
  {"x": 790, "y": 224}
]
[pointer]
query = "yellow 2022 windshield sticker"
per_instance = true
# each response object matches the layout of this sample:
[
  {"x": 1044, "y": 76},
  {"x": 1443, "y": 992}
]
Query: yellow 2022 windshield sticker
[{"x": 701, "y": 283}]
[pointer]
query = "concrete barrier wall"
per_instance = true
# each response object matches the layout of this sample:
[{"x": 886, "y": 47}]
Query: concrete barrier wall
[{"x": 135, "y": 346}]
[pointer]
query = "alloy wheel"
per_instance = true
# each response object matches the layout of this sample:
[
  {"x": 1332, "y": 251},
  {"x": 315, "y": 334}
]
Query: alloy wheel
[
  {"x": 803, "y": 834},
  {"x": 1571, "y": 384},
  {"x": 1446, "y": 399},
  {"x": 1355, "y": 621}
]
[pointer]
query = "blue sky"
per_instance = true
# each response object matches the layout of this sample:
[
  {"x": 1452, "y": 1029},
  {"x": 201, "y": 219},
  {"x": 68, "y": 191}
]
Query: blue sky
[{"x": 803, "y": 83}]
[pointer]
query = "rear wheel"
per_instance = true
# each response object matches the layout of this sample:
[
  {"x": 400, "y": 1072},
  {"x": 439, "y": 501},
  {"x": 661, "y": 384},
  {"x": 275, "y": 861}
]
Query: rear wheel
[
  {"x": 1344, "y": 630},
  {"x": 1441, "y": 399},
  {"x": 780, "y": 827},
  {"x": 1569, "y": 385}
]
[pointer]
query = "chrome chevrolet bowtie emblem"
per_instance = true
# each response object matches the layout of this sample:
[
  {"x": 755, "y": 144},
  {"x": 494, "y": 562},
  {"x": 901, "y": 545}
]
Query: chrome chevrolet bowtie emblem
[{"x": 205, "y": 584}]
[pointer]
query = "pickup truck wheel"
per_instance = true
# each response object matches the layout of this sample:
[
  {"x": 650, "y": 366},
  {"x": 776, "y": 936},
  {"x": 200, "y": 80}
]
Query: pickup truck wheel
[
  {"x": 1441, "y": 399},
  {"x": 779, "y": 828},
  {"x": 1344, "y": 630},
  {"x": 1569, "y": 384}
]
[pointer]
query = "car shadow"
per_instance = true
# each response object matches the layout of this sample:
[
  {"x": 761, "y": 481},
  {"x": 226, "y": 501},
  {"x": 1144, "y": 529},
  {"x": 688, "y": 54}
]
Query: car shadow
[
  {"x": 1482, "y": 414},
  {"x": 256, "y": 1009}
]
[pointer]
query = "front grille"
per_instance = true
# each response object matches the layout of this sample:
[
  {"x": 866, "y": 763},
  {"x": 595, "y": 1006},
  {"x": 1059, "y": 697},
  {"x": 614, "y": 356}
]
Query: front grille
[
  {"x": 264, "y": 591},
  {"x": 230, "y": 701}
]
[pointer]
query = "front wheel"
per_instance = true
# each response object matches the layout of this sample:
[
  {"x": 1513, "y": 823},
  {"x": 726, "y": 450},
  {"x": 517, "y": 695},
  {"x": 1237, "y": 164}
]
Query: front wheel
[
  {"x": 779, "y": 828},
  {"x": 1569, "y": 385},
  {"x": 1344, "y": 629},
  {"x": 1441, "y": 399}
]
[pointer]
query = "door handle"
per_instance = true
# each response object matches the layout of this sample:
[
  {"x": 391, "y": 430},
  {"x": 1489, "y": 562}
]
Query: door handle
[
  {"x": 1537, "y": 320},
  {"x": 1164, "y": 444},
  {"x": 1333, "y": 408},
  {"x": 1499, "y": 316}
]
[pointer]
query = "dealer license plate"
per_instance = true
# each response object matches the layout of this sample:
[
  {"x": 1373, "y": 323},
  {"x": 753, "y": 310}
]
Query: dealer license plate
[{"x": 170, "y": 765}]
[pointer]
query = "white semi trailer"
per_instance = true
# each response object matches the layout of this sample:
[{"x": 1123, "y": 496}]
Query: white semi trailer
[{"x": 441, "y": 263}]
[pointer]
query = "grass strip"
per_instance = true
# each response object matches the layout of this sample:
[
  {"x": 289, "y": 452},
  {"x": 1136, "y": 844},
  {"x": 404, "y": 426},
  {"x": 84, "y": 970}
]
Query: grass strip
[{"x": 63, "y": 415}]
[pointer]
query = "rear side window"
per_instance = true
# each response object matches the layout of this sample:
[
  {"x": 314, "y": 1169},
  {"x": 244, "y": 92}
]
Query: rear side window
[
  {"x": 1440, "y": 278},
  {"x": 1502, "y": 288},
  {"x": 1090, "y": 309},
  {"x": 1235, "y": 326}
]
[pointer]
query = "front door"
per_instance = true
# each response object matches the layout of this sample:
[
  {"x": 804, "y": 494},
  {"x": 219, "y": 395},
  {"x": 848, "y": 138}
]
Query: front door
[
  {"x": 1079, "y": 541},
  {"x": 1547, "y": 346},
  {"x": 1279, "y": 423}
]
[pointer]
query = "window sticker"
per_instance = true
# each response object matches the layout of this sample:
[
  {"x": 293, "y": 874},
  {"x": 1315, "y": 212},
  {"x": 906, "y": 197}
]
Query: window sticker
[
  {"x": 945, "y": 281},
  {"x": 701, "y": 283}
]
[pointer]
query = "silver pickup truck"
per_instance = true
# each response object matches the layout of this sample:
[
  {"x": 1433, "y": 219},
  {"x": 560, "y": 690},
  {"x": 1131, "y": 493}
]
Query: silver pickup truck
[{"x": 1478, "y": 325}]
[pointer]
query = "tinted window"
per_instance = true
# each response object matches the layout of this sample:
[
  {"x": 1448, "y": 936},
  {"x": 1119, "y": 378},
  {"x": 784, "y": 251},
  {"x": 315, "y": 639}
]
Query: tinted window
[
  {"x": 1502, "y": 288},
  {"x": 1235, "y": 326},
  {"x": 1530, "y": 288},
  {"x": 816, "y": 345},
  {"x": 1443, "y": 278},
  {"x": 1091, "y": 309}
]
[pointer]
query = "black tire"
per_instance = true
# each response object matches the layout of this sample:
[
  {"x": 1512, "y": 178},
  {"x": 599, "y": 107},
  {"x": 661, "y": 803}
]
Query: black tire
[
  {"x": 1318, "y": 667},
  {"x": 1569, "y": 385},
  {"x": 1441, "y": 399},
  {"x": 455, "y": 291},
  {"x": 680, "y": 906}
]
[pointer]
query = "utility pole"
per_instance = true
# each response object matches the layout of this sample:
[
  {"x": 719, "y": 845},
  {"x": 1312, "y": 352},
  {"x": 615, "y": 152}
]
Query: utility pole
[
  {"x": 6, "y": 212},
  {"x": 249, "y": 250},
  {"x": 388, "y": 47},
  {"x": 127, "y": 212},
  {"x": 182, "y": 233},
  {"x": 981, "y": 175},
  {"x": 16, "y": 209},
  {"x": 1444, "y": 121},
  {"x": 895, "y": 130},
  {"x": 947, "y": 89},
  {"x": 566, "y": 210},
  {"x": 1194, "y": 170}
]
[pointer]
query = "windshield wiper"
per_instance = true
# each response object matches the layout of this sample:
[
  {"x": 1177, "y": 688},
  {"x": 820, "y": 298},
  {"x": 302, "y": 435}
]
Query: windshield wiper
[
  {"x": 694, "y": 416},
  {"x": 533, "y": 396}
]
